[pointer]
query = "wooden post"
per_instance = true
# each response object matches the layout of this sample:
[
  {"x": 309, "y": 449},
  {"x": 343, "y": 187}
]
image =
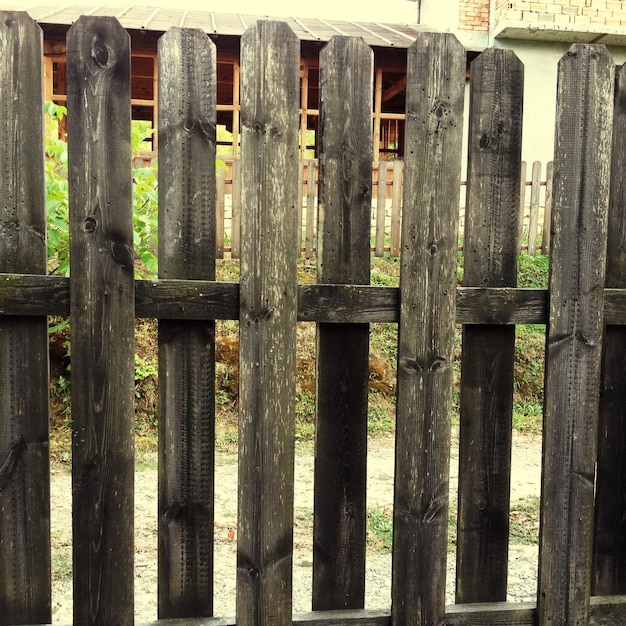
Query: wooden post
[
  {"x": 547, "y": 211},
  {"x": 346, "y": 70},
  {"x": 533, "y": 220},
  {"x": 435, "y": 92},
  {"x": 610, "y": 525},
  {"x": 522, "y": 204},
  {"x": 267, "y": 326},
  {"x": 491, "y": 218},
  {"x": 24, "y": 464},
  {"x": 220, "y": 213},
  {"x": 187, "y": 87},
  {"x": 573, "y": 352},
  {"x": 381, "y": 208},
  {"x": 102, "y": 318},
  {"x": 396, "y": 206},
  {"x": 235, "y": 224},
  {"x": 310, "y": 210}
]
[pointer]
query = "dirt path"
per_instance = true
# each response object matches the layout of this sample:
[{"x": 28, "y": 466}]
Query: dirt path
[{"x": 522, "y": 572}]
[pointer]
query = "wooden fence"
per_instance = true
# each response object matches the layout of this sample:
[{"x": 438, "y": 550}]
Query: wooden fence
[
  {"x": 582, "y": 564},
  {"x": 535, "y": 198}
]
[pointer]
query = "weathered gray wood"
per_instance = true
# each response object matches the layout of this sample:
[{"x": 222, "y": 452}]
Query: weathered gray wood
[
  {"x": 220, "y": 198},
  {"x": 573, "y": 351},
  {"x": 609, "y": 575},
  {"x": 547, "y": 210},
  {"x": 381, "y": 205},
  {"x": 490, "y": 251},
  {"x": 604, "y": 611},
  {"x": 24, "y": 464},
  {"x": 434, "y": 111},
  {"x": 396, "y": 206},
  {"x": 317, "y": 618},
  {"x": 102, "y": 319},
  {"x": 267, "y": 328},
  {"x": 309, "y": 242},
  {"x": 235, "y": 224},
  {"x": 31, "y": 295},
  {"x": 344, "y": 221},
  {"x": 187, "y": 245},
  {"x": 522, "y": 203},
  {"x": 533, "y": 218}
]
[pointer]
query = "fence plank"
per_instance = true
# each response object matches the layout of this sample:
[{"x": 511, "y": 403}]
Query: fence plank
[
  {"x": 344, "y": 224},
  {"x": 547, "y": 211},
  {"x": 573, "y": 350},
  {"x": 235, "y": 224},
  {"x": 396, "y": 206},
  {"x": 311, "y": 194},
  {"x": 102, "y": 319},
  {"x": 269, "y": 155},
  {"x": 187, "y": 238},
  {"x": 220, "y": 213},
  {"x": 435, "y": 91},
  {"x": 533, "y": 219},
  {"x": 522, "y": 203},
  {"x": 381, "y": 208},
  {"x": 491, "y": 217},
  {"x": 24, "y": 463},
  {"x": 610, "y": 523}
]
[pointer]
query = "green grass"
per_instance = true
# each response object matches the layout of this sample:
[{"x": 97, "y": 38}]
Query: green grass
[{"x": 523, "y": 525}]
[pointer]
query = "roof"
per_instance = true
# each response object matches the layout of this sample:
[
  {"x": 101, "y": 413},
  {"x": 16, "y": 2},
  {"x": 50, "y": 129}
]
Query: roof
[{"x": 149, "y": 18}]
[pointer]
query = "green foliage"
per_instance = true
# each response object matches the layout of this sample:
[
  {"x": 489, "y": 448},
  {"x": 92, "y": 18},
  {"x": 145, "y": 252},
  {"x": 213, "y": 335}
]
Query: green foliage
[
  {"x": 533, "y": 271},
  {"x": 380, "y": 529},
  {"x": 57, "y": 206},
  {"x": 145, "y": 219},
  {"x": 145, "y": 200}
]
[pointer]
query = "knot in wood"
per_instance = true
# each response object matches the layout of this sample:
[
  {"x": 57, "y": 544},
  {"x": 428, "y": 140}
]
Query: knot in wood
[
  {"x": 410, "y": 366},
  {"x": 90, "y": 225},
  {"x": 100, "y": 53}
]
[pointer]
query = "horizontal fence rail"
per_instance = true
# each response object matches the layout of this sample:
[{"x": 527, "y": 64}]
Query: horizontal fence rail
[{"x": 582, "y": 560}]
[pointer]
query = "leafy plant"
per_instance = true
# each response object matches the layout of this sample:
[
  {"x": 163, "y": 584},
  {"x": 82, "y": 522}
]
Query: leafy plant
[
  {"x": 57, "y": 204},
  {"x": 145, "y": 199}
]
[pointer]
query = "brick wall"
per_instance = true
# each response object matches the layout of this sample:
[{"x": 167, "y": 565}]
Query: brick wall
[
  {"x": 564, "y": 12},
  {"x": 474, "y": 15}
]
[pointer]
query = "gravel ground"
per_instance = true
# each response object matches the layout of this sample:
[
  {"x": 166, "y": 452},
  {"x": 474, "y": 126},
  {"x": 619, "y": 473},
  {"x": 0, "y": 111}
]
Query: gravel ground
[{"x": 522, "y": 558}]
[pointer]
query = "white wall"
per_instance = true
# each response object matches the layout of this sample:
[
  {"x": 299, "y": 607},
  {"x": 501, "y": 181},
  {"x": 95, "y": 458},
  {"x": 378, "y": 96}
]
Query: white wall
[{"x": 540, "y": 61}]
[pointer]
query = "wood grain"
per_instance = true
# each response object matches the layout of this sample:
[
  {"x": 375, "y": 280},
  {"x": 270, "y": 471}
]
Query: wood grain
[
  {"x": 24, "y": 463},
  {"x": 267, "y": 322},
  {"x": 490, "y": 260},
  {"x": 435, "y": 92},
  {"x": 609, "y": 575},
  {"x": 187, "y": 250},
  {"x": 342, "y": 371},
  {"x": 573, "y": 351},
  {"x": 102, "y": 320}
]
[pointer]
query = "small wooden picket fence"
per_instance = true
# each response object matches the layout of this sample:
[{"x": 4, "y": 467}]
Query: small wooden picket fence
[{"x": 582, "y": 562}]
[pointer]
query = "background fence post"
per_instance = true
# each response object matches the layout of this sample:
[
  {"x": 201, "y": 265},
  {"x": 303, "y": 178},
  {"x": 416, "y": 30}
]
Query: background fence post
[
  {"x": 573, "y": 351},
  {"x": 267, "y": 323},
  {"x": 610, "y": 525},
  {"x": 24, "y": 389},
  {"x": 187, "y": 248},
  {"x": 344, "y": 226},
  {"x": 435, "y": 92},
  {"x": 102, "y": 319},
  {"x": 490, "y": 251}
]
